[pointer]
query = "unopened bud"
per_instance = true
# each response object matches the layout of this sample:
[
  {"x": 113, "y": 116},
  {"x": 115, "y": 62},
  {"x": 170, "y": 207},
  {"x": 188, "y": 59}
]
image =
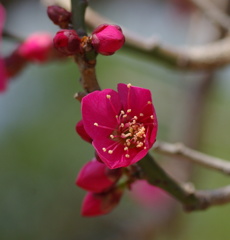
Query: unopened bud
[
  {"x": 96, "y": 204},
  {"x": 67, "y": 42},
  {"x": 59, "y": 16},
  {"x": 96, "y": 177},
  {"x": 107, "y": 39}
]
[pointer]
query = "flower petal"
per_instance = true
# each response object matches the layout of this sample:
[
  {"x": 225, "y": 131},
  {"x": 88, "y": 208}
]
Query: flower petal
[
  {"x": 100, "y": 108},
  {"x": 135, "y": 98}
]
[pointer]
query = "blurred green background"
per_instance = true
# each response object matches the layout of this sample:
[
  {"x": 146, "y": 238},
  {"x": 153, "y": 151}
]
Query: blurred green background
[{"x": 41, "y": 154}]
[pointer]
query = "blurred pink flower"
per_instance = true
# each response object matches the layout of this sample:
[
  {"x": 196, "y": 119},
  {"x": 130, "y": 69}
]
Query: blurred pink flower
[
  {"x": 123, "y": 124},
  {"x": 150, "y": 196},
  {"x": 37, "y": 47},
  {"x": 96, "y": 177},
  {"x": 3, "y": 72}
]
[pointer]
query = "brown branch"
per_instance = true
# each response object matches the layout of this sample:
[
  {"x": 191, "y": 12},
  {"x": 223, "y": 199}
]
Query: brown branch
[
  {"x": 212, "y": 11},
  {"x": 180, "y": 150},
  {"x": 203, "y": 57},
  {"x": 191, "y": 199}
]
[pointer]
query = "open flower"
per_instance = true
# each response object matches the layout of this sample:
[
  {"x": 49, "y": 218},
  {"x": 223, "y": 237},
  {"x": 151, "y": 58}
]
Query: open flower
[{"x": 123, "y": 124}]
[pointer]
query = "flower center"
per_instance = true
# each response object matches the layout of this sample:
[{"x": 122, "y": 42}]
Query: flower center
[{"x": 130, "y": 132}]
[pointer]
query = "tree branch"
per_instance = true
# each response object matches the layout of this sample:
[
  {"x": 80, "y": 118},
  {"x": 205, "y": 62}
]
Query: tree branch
[
  {"x": 191, "y": 200},
  {"x": 181, "y": 151},
  {"x": 85, "y": 60},
  {"x": 217, "y": 16},
  {"x": 78, "y": 16},
  {"x": 204, "y": 57}
]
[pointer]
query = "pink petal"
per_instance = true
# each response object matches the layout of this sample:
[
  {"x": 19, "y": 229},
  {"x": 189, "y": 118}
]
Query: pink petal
[
  {"x": 136, "y": 99},
  {"x": 82, "y": 133},
  {"x": 3, "y": 76},
  {"x": 117, "y": 159},
  {"x": 36, "y": 47},
  {"x": 98, "y": 109},
  {"x": 150, "y": 196}
]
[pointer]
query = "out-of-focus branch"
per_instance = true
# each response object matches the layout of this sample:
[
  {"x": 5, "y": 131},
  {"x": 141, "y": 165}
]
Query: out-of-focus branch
[
  {"x": 180, "y": 150},
  {"x": 217, "y": 16},
  {"x": 191, "y": 199},
  {"x": 203, "y": 57}
]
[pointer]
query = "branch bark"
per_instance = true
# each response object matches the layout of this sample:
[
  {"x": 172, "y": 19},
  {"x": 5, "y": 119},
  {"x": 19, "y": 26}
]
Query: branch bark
[
  {"x": 191, "y": 200},
  {"x": 181, "y": 151},
  {"x": 204, "y": 57}
]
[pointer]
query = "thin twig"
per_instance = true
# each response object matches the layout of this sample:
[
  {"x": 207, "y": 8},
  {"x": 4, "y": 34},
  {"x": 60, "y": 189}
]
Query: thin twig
[
  {"x": 213, "y": 13},
  {"x": 85, "y": 60},
  {"x": 78, "y": 16},
  {"x": 209, "y": 56},
  {"x": 180, "y": 150}
]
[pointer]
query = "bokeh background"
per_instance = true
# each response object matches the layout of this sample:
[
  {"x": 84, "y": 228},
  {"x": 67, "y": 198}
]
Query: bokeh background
[{"x": 40, "y": 153}]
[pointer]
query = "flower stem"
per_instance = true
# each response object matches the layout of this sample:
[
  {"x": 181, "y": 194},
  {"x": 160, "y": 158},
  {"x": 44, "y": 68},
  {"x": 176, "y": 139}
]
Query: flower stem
[
  {"x": 156, "y": 176},
  {"x": 78, "y": 16}
]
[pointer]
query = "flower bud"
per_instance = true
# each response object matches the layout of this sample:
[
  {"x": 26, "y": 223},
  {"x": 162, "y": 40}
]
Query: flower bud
[
  {"x": 96, "y": 177},
  {"x": 59, "y": 16},
  {"x": 95, "y": 204},
  {"x": 3, "y": 76},
  {"x": 107, "y": 39},
  {"x": 36, "y": 47},
  {"x": 82, "y": 133},
  {"x": 67, "y": 42}
]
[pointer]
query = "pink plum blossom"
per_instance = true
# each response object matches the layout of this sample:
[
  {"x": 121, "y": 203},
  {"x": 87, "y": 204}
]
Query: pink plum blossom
[
  {"x": 95, "y": 204},
  {"x": 37, "y": 47},
  {"x": 123, "y": 124},
  {"x": 96, "y": 177},
  {"x": 150, "y": 196},
  {"x": 3, "y": 72}
]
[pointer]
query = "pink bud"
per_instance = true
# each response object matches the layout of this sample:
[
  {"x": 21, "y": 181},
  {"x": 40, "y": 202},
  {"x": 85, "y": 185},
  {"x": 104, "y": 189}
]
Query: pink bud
[
  {"x": 98, "y": 204},
  {"x": 67, "y": 42},
  {"x": 107, "y": 39},
  {"x": 59, "y": 16},
  {"x": 36, "y": 47},
  {"x": 82, "y": 133},
  {"x": 3, "y": 76},
  {"x": 96, "y": 177}
]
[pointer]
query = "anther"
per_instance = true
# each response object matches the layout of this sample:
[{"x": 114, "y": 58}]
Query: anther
[
  {"x": 125, "y": 115},
  {"x": 129, "y": 110},
  {"x": 127, "y": 155},
  {"x": 108, "y": 96},
  {"x": 152, "y": 117},
  {"x": 110, "y": 151},
  {"x": 112, "y": 136},
  {"x": 104, "y": 149},
  {"x": 126, "y": 148},
  {"x": 122, "y": 112},
  {"x": 95, "y": 124},
  {"x": 129, "y": 85},
  {"x": 149, "y": 102},
  {"x": 141, "y": 114},
  {"x": 135, "y": 117}
]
